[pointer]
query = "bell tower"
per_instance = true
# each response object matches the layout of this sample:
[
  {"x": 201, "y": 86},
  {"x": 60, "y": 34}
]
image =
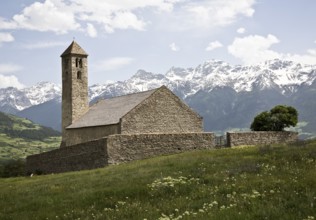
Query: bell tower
[{"x": 74, "y": 86}]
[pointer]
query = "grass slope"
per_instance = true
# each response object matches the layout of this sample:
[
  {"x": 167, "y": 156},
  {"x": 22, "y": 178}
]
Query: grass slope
[
  {"x": 20, "y": 137},
  {"x": 269, "y": 182}
]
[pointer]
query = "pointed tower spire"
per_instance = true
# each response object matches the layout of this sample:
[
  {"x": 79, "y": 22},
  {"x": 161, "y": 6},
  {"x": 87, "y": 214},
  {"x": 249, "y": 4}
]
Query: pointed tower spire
[{"x": 74, "y": 49}]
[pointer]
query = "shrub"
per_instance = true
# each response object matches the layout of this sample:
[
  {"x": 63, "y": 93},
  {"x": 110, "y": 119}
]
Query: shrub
[
  {"x": 13, "y": 168},
  {"x": 278, "y": 118}
]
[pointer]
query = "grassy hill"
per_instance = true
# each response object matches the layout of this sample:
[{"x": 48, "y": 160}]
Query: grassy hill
[
  {"x": 20, "y": 137},
  {"x": 268, "y": 182}
]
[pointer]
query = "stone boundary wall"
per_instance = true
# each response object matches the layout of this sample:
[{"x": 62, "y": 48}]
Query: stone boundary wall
[
  {"x": 260, "y": 137},
  {"x": 116, "y": 149},
  {"x": 83, "y": 156},
  {"x": 124, "y": 148}
]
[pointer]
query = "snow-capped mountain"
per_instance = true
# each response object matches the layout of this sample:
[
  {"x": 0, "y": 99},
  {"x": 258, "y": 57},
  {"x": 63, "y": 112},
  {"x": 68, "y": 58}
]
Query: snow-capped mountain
[
  {"x": 286, "y": 76},
  {"x": 42, "y": 92},
  {"x": 13, "y": 100},
  {"x": 275, "y": 73},
  {"x": 225, "y": 95}
]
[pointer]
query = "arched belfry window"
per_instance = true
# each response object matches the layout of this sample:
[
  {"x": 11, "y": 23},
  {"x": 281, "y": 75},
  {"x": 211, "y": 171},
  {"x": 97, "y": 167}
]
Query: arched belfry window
[
  {"x": 77, "y": 62},
  {"x": 79, "y": 75}
]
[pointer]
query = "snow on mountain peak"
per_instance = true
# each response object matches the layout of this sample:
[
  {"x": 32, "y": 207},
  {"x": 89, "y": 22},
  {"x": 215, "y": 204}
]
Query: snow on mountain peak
[
  {"x": 178, "y": 73},
  {"x": 42, "y": 92},
  {"x": 281, "y": 74},
  {"x": 277, "y": 64}
]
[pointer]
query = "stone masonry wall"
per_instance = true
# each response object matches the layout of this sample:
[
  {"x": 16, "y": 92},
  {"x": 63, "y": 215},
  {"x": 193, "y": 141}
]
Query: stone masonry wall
[
  {"x": 81, "y": 135},
  {"x": 123, "y": 148},
  {"x": 162, "y": 112},
  {"x": 116, "y": 149},
  {"x": 260, "y": 137},
  {"x": 83, "y": 156}
]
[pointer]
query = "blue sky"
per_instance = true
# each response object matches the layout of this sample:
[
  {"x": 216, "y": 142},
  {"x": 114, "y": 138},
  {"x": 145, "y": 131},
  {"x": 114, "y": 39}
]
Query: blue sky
[{"x": 123, "y": 36}]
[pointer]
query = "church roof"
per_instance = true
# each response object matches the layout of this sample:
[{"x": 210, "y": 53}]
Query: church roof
[
  {"x": 110, "y": 111},
  {"x": 74, "y": 48}
]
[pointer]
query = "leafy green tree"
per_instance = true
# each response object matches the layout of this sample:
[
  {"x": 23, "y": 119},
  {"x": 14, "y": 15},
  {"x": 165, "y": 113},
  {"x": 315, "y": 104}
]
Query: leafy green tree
[{"x": 278, "y": 118}]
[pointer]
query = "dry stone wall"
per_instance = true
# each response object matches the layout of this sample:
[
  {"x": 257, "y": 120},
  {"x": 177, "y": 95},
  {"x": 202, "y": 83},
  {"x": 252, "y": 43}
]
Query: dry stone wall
[
  {"x": 120, "y": 148},
  {"x": 116, "y": 149},
  {"x": 83, "y": 156},
  {"x": 260, "y": 138},
  {"x": 124, "y": 148}
]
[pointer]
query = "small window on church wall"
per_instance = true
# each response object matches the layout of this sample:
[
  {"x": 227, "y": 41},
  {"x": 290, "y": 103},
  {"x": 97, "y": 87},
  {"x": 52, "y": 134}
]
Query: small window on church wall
[
  {"x": 80, "y": 63},
  {"x": 78, "y": 75},
  {"x": 77, "y": 62}
]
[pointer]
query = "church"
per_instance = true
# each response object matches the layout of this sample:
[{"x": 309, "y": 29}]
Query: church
[{"x": 119, "y": 129}]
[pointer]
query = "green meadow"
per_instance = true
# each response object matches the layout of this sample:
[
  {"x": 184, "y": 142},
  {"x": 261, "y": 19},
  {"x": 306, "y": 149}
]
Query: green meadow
[
  {"x": 17, "y": 148},
  {"x": 20, "y": 137},
  {"x": 259, "y": 182}
]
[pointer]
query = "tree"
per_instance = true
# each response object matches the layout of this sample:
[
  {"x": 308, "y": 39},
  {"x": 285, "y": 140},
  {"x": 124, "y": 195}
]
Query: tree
[{"x": 278, "y": 118}]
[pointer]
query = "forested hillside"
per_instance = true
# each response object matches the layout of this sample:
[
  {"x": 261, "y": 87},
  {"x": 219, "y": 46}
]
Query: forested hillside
[{"x": 20, "y": 137}]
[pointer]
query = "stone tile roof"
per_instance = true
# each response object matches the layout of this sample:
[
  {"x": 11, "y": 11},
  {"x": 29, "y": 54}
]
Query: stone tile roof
[
  {"x": 110, "y": 111},
  {"x": 74, "y": 48}
]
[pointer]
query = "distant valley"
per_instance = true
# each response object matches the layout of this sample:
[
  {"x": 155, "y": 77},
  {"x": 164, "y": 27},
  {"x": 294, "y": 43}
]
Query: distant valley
[{"x": 20, "y": 137}]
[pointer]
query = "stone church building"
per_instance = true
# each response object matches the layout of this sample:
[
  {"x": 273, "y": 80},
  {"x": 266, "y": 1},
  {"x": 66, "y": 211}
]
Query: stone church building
[
  {"x": 119, "y": 129},
  {"x": 154, "y": 111},
  {"x": 126, "y": 128}
]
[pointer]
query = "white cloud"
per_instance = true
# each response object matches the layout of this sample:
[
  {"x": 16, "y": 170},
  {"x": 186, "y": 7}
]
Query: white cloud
[
  {"x": 308, "y": 58},
  {"x": 62, "y": 16},
  {"x": 213, "y": 45},
  {"x": 6, "y": 37},
  {"x": 44, "y": 45},
  {"x": 113, "y": 63},
  {"x": 51, "y": 15},
  {"x": 128, "y": 20},
  {"x": 311, "y": 52},
  {"x": 241, "y": 30},
  {"x": 123, "y": 14},
  {"x": 208, "y": 14},
  {"x": 10, "y": 81},
  {"x": 91, "y": 31},
  {"x": 9, "y": 68},
  {"x": 174, "y": 47},
  {"x": 254, "y": 49},
  {"x": 7, "y": 25}
]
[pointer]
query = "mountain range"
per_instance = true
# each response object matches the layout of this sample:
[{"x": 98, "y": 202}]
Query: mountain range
[{"x": 227, "y": 96}]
